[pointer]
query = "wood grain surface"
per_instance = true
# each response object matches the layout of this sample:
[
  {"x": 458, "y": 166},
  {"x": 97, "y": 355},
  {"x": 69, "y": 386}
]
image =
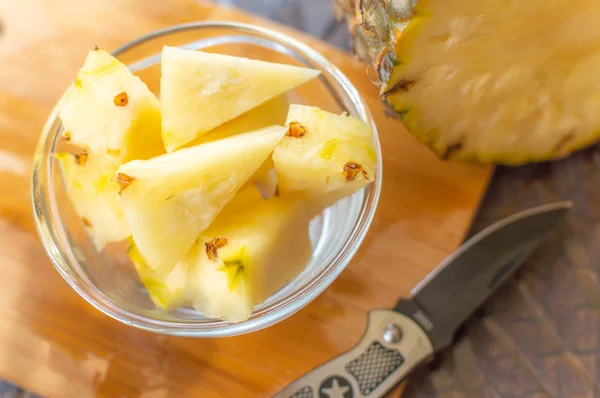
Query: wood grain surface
[{"x": 53, "y": 343}]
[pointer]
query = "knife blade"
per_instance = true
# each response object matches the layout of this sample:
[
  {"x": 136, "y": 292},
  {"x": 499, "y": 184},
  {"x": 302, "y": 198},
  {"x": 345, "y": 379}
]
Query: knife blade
[{"x": 398, "y": 340}]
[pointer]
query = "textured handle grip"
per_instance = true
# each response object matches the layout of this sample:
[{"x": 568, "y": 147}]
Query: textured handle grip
[{"x": 392, "y": 346}]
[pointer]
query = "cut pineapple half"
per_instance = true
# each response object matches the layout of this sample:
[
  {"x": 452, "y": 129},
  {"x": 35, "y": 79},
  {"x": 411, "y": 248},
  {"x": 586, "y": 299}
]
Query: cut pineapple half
[
  {"x": 324, "y": 157},
  {"x": 92, "y": 188},
  {"x": 201, "y": 91},
  {"x": 170, "y": 199},
  {"x": 165, "y": 288},
  {"x": 248, "y": 254},
  {"x": 498, "y": 81},
  {"x": 108, "y": 110}
]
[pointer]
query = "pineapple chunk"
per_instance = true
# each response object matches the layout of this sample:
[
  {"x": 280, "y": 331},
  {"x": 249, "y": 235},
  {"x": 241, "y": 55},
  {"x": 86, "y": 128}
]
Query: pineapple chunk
[
  {"x": 201, "y": 91},
  {"x": 170, "y": 199},
  {"x": 110, "y": 111},
  {"x": 246, "y": 255},
  {"x": 165, "y": 288},
  {"x": 92, "y": 188},
  {"x": 324, "y": 157}
]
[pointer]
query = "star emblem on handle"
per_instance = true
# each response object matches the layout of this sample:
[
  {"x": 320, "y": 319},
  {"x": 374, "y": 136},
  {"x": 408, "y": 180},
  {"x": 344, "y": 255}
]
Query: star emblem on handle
[{"x": 335, "y": 387}]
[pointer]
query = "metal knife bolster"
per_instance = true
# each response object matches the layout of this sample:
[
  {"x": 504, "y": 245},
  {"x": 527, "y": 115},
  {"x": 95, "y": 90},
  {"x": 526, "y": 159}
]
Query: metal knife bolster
[{"x": 392, "y": 345}]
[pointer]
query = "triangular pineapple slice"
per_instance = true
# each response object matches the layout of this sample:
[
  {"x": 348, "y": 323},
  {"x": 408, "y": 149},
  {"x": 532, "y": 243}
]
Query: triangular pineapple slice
[
  {"x": 324, "y": 157},
  {"x": 170, "y": 199},
  {"x": 201, "y": 91},
  {"x": 246, "y": 255},
  {"x": 110, "y": 111},
  {"x": 92, "y": 188}
]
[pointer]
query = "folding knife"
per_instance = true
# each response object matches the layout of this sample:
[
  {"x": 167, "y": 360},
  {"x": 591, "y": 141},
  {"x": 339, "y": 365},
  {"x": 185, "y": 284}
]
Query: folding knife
[{"x": 398, "y": 340}]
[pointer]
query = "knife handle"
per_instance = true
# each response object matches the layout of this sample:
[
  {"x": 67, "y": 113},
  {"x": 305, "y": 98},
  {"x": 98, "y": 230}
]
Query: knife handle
[{"x": 390, "y": 348}]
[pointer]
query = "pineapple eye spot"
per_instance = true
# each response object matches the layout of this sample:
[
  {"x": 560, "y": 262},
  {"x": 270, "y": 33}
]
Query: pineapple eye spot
[
  {"x": 565, "y": 141},
  {"x": 451, "y": 150},
  {"x": 352, "y": 169},
  {"x": 296, "y": 130},
  {"x": 124, "y": 181},
  {"x": 212, "y": 246},
  {"x": 121, "y": 99},
  {"x": 402, "y": 85},
  {"x": 86, "y": 222},
  {"x": 219, "y": 242},
  {"x": 81, "y": 158},
  {"x": 96, "y": 48},
  {"x": 67, "y": 136}
]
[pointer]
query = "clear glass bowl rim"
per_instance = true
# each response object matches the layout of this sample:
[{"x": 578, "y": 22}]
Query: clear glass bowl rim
[{"x": 297, "y": 300}]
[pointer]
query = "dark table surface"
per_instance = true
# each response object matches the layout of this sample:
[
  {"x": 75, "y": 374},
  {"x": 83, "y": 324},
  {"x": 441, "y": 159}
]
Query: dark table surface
[{"x": 538, "y": 336}]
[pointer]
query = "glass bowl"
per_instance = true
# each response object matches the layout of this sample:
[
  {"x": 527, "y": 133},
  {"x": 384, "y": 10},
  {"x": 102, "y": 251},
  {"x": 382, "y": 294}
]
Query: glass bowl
[{"x": 108, "y": 281}]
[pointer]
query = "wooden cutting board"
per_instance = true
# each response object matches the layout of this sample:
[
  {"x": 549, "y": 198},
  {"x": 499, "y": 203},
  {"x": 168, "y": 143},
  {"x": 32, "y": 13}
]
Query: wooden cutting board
[{"x": 52, "y": 342}]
